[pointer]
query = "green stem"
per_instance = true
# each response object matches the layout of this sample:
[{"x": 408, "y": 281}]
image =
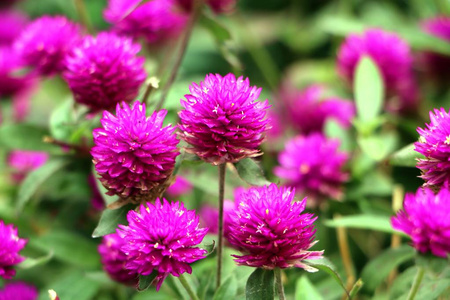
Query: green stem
[
  {"x": 222, "y": 169},
  {"x": 279, "y": 284},
  {"x": 83, "y": 15},
  {"x": 187, "y": 287},
  {"x": 416, "y": 283},
  {"x": 184, "y": 43}
]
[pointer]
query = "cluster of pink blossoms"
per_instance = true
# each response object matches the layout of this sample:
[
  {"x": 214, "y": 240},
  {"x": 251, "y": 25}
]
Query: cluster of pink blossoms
[{"x": 10, "y": 246}]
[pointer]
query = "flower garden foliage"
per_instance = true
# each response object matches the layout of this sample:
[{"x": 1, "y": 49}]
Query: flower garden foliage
[{"x": 224, "y": 149}]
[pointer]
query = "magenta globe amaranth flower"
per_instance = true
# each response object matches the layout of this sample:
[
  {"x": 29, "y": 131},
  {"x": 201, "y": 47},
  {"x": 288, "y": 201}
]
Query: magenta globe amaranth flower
[
  {"x": 104, "y": 70},
  {"x": 13, "y": 79},
  {"x": 222, "y": 120},
  {"x": 10, "y": 246},
  {"x": 309, "y": 109},
  {"x": 45, "y": 42},
  {"x": 12, "y": 22},
  {"x": 434, "y": 144},
  {"x": 114, "y": 260},
  {"x": 437, "y": 64},
  {"x": 426, "y": 219},
  {"x": 163, "y": 238},
  {"x": 394, "y": 60},
  {"x": 18, "y": 290},
  {"x": 179, "y": 187},
  {"x": 270, "y": 229},
  {"x": 133, "y": 153},
  {"x": 156, "y": 21},
  {"x": 313, "y": 165},
  {"x": 22, "y": 162}
]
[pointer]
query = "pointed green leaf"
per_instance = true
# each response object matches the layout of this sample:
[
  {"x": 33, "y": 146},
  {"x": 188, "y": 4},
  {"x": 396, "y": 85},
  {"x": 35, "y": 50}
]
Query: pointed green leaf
[
  {"x": 110, "y": 219},
  {"x": 251, "y": 172},
  {"x": 325, "y": 265},
  {"x": 227, "y": 289},
  {"x": 146, "y": 281},
  {"x": 372, "y": 222},
  {"x": 405, "y": 157},
  {"x": 368, "y": 90},
  {"x": 260, "y": 285},
  {"x": 29, "y": 262},
  {"x": 62, "y": 121},
  {"x": 218, "y": 31},
  {"x": 36, "y": 178},
  {"x": 305, "y": 290}
]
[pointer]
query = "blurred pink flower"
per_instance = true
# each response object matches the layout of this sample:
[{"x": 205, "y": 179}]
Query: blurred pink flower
[
  {"x": 179, "y": 187},
  {"x": 22, "y": 162},
  {"x": 12, "y": 22}
]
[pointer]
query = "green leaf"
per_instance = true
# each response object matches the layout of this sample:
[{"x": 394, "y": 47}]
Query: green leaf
[
  {"x": 110, "y": 219},
  {"x": 371, "y": 222},
  {"x": 219, "y": 32},
  {"x": 377, "y": 146},
  {"x": 29, "y": 262},
  {"x": 379, "y": 268},
  {"x": 251, "y": 172},
  {"x": 227, "y": 290},
  {"x": 62, "y": 121},
  {"x": 260, "y": 285},
  {"x": 355, "y": 289},
  {"x": 368, "y": 90},
  {"x": 146, "y": 281},
  {"x": 305, "y": 290},
  {"x": 405, "y": 157},
  {"x": 69, "y": 247},
  {"x": 75, "y": 286},
  {"x": 432, "y": 289},
  {"x": 36, "y": 178},
  {"x": 24, "y": 137},
  {"x": 325, "y": 265},
  {"x": 209, "y": 247}
]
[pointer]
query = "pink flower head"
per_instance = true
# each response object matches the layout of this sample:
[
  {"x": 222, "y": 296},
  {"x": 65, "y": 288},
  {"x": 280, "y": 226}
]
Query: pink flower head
[
  {"x": 426, "y": 219},
  {"x": 156, "y": 21},
  {"x": 133, "y": 153},
  {"x": 104, "y": 70},
  {"x": 162, "y": 237},
  {"x": 18, "y": 290},
  {"x": 23, "y": 162},
  {"x": 180, "y": 186},
  {"x": 218, "y": 6},
  {"x": 434, "y": 144},
  {"x": 437, "y": 64},
  {"x": 308, "y": 110},
  {"x": 313, "y": 165},
  {"x": 12, "y": 22},
  {"x": 394, "y": 60},
  {"x": 270, "y": 229},
  {"x": 209, "y": 217},
  {"x": 114, "y": 260},
  {"x": 10, "y": 245},
  {"x": 222, "y": 119},
  {"x": 13, "y": 80},
  {"x": 45, "y": 42}
]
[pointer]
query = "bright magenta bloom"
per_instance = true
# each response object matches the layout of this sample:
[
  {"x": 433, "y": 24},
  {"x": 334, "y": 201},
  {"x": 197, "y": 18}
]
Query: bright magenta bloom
[
  {"x": 156, "y": 21},
  {"x": 133, "y": 153},
  {"x": 114, "y": 260},
  {"x": 313, "y": 165},
  {"x": 12, "y": 82},
  {"x": 309, "y": 109},
  {"x": 394, "y": 59},
  {"x": 23, "y": 162},
  {"x": 12, "y": 22},
  {"x": 222, "y": 119},
  {"x": 426, "y": 219},
  {"x": 434, "y": 144},
  {"x": 270, "y": 229},
  {"x": 105, "y": 70},
  {"x": 18, "y": 290},
  {"x": 45, "y": 42},
  {"x": 162, "y": 237},
  {"x": 10, "y": 246}
]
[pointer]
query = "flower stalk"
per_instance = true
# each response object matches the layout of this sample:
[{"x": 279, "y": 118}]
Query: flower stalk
[
  {"x": 187, "y": 287},
  {"x": 416, "y": 283},
  {"x": 222, "y": 169},
  {"x": 279, "y": 284}
]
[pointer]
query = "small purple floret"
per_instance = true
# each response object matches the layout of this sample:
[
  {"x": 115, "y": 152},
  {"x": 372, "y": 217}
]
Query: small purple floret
[
  {"x": 10, "y": 246},
  {"x": 18, "y": 290}
]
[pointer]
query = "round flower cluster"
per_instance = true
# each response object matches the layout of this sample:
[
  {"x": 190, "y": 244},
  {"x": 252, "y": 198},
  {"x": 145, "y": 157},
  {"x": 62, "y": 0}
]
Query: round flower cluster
[
  {"x": 104, "y": 70},
  {"x": 22, "y": 162},
  {"x": 18, "y": 290},
  {"x": 386, "y": 50},
  {"x": 162, "y": 238},
  {"x": 434, "y": 144},
  {"x": 426, "y": 219},
  {"x": 10, "y": 246},
  {"x": 270, "y": 229},
  {"x": 133, "y": 153},
  {"x": 313, "y": 165},
  {"x": 45, "y": 42},
  {"x": 11, "y": 24},
  {"x": 222, "y": 119}
]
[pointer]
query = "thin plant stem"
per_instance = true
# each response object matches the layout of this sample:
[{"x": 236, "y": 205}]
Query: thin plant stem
[
  {"x": 222, "y": 169},
  {"x": 152, "y": 84},
  {"x": 182, "y": 50},
  {"x": 279, "y": 284},
  {"x": 83, "y": 150},
  {"x": 397, "y": 199},
  {"x": 83, "y": 15},
  {"x": 187, "y": 287},
  {"x": 344, "y": 249},
  {"x": 416, "y": 283}
]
